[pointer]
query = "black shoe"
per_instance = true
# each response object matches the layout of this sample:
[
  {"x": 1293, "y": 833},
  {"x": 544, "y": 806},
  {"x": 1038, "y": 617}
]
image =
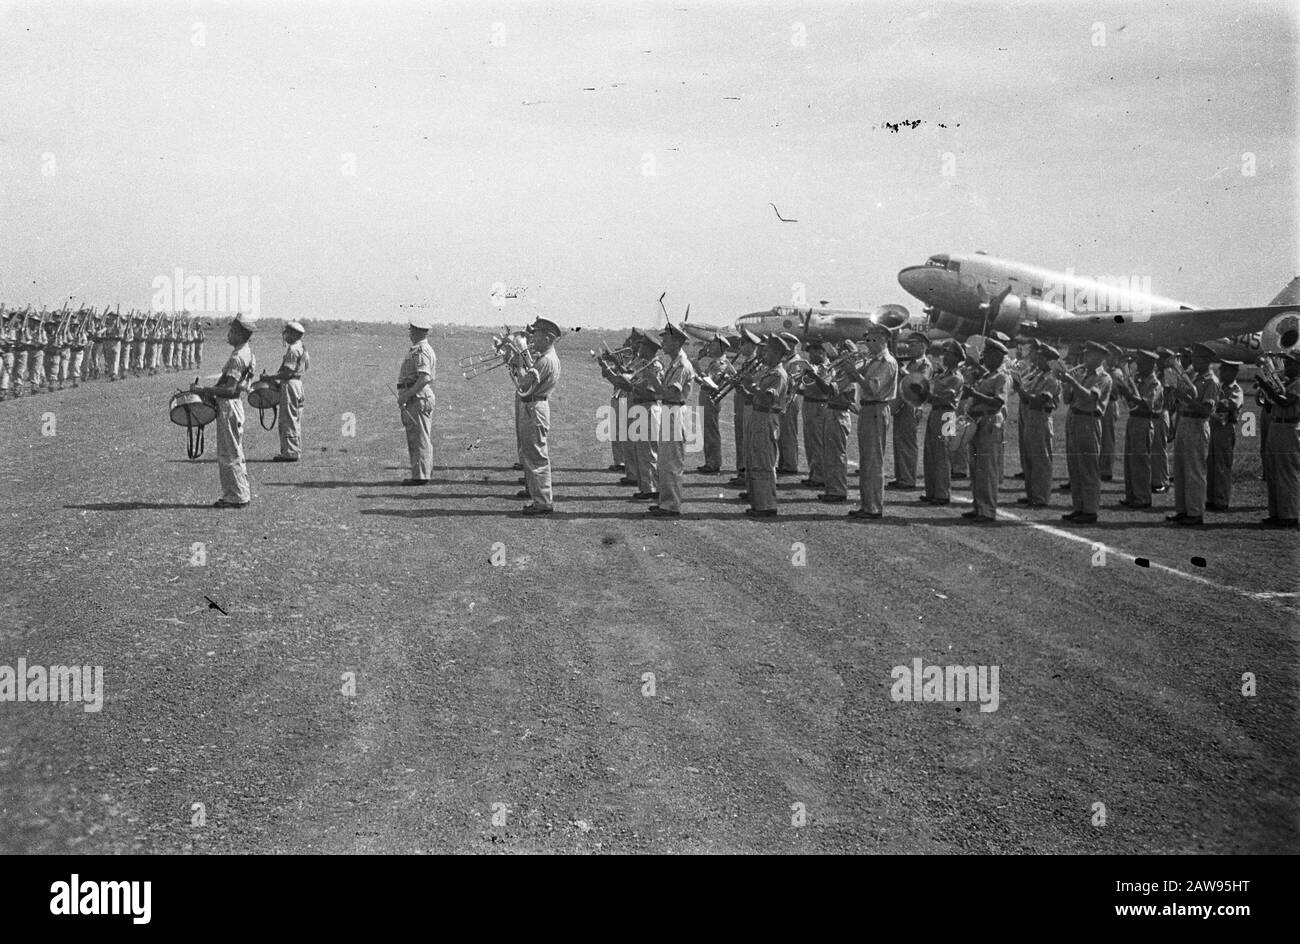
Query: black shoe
[
  {"x": 1071, "y": 515},
  {"x": 518, "y": 467},
  {"x": 1063, "y": 487},
  {"x": 957, "y": 475},
  {"x": 627, "y": 481},
  {"x": 1106, "y": 478},
  {"x": 522, "y": 493},
  {"x": 832, "y": 499},
  {"x": 897, "y": 486},
  {"x": 738, "y": 482},
  {"x": 765, "y": 513},
  {"x": 1018, "y": 475},
  {"x": 644, "y": 496},
  {"x": 787, "y": 471},
  {"x": 970, "y": 514},
  {"x": 656, "y": 512},
  {"x": 1176, "y": 518},
  {"x": 861, "y": 513},
  {"x": 705, "y": 470},
  {"x": 284, "y": 458},
  {"x": 982, "y": 519},
  {"x": 536, "y": 509},
  {"x": 614, "y": 468},
  {"x": 1023, "y": 501},
  {"x": 1209, "y": 507},
  {"x": 1188, "y": 521},
  {"x": 415, "y": 481},
  {"x": 222, "y": 503},
  {"x": 1085, "y": 519},
  {"x": 938, "y": 502},
  {"x": 743, "y": 496}
]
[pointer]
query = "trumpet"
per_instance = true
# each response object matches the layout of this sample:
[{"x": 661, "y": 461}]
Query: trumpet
[
  {"x": 736, "y": 377},
  {"x": 615, "y": 361},
  {"x": 718, "y": 371}
]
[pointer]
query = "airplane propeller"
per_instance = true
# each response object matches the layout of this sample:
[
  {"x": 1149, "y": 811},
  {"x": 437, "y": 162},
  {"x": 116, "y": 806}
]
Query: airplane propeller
[{"x": 991, "y": 307}]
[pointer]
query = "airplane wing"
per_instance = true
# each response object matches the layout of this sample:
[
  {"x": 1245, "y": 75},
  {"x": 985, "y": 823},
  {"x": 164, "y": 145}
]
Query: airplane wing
[{"x": 1139, "y": 329}]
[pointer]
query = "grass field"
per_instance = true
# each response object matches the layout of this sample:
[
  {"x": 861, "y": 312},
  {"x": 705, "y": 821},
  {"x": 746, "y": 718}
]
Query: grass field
[{"x": 511, "y": 708}]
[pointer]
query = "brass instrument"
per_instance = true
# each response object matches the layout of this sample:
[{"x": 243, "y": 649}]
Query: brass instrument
[
  {"x": 718, "y": 371},
  {"x": 1269, "y": 379},
  {"x": 1183, "y": 383},
  {"x": 509, "y": 349},
  {"x": 616, "y": 361},
  {"x": 738, "y": 375}
]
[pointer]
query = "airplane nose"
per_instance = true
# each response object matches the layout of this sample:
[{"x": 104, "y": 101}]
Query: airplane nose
[{"x": 916, "y": 281}]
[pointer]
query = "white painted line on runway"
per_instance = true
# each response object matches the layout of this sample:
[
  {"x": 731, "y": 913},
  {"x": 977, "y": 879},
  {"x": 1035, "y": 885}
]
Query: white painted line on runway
[{"x": 1259, "y": 596}]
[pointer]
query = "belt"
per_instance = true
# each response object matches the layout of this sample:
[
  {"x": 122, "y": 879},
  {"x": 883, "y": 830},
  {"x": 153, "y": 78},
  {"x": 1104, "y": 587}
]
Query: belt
[
  {"x": 872, "y": 402},
  {"x": 768, "y": 409},
  {"x": 808, "y": 399},
  {"x": 639, "y": 402},
  {"x": 1095, "y": 414},
  {"x": 673, "y": 402},
  {"x": 541, "y": 399},
  {"x": 1142, "y": 414},
  {"x": 402, "y": 386}
]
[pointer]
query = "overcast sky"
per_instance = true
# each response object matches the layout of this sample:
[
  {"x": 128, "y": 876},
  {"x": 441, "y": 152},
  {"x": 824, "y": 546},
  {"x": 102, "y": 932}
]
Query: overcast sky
[{"x": 362, "y": 159}]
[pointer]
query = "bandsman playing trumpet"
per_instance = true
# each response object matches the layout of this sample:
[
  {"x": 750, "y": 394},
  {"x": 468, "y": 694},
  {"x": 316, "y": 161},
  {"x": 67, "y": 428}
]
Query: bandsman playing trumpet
[
  {"x": 915, "y": 367},
  {"x": 1223, "y": 437},
  {"x": 1040, "y": 393},
  {"x": 1022, "y": 368},
  {"x": 841, "y": 401},
  {"x": 613, "y": 363},
  {"x": 1196, "y": 393},
  {"x": 1162, "y": 428},
  {"x": 768, "y": 392},
  {"x": 813, "y": 409},
  {"x": 988, "y": 408},
  {"x": 644, "y": 416},
  {"x": 747, "y": 357},
  {"x": 1145, "y": 396},
  {"x": 713, "y": 366},
  {"x": 1086, "y": 390},
  {"x": 877, "y": 380},
  {"x": 634, "y": 362},
  {"x": 675, "y": 392},
  {"x": 1282, "y": 453},
  {"x": 795, "y": 364},
  {"x": 1115, "y": 366},
  {"x": 534, "y": 387},
  {"x": 945, "y": 391}
]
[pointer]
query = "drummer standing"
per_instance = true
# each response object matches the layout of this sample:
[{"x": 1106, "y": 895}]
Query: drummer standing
[
  {"x": 289, "y": 375},
  {"x": 233, "y": 383}
]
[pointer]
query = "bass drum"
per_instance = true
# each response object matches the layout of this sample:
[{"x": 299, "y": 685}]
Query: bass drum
[
  {"x": 265, "y": 395},
  {"x": 191, "y": 410}
]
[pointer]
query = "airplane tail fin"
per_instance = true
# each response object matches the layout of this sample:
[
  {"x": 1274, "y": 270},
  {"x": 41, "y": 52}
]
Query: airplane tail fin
[{"x": 1289, "y": 295}]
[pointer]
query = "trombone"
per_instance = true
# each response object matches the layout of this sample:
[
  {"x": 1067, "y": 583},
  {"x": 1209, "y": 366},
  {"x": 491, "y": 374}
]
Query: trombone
[
  {"x": 507, "y": 349},
  {"x": 736, "y": 376}
]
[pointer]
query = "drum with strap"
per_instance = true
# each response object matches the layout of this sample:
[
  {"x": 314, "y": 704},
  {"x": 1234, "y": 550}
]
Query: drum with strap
[
  {"x": 915, "y": 388},
  {"x": 265, "y": 395},
  {"x": 193, "y": 411}
]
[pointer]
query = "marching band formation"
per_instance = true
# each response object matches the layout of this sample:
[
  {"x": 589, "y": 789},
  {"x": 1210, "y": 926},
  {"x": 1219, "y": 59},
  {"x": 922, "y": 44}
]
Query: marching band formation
[
  {"x": 40, "y": 351},
  {"x": 959, "y": 408}
]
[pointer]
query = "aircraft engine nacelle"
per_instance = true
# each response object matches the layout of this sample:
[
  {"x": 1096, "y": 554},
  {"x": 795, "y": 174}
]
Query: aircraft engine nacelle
[
  {"x": 1282, "y": 333},
  {"x": 1016, "y": 310},
  {"x": 947, "y": 321}
]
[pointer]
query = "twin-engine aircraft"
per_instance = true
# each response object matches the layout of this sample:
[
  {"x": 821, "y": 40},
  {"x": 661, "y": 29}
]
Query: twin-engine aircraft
[
  {"x": 814, "y": 324},
  {"x": 979, "y": 293}
]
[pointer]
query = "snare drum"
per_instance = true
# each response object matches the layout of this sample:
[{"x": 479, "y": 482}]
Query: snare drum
[
  {"x": 190, "y": 409},
  {"x": 265, "y": 395},
  {"x": 963, "y": 433}
]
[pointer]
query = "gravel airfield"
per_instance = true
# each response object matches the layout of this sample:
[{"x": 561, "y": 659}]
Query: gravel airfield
[{"x": 617, "y": 684}]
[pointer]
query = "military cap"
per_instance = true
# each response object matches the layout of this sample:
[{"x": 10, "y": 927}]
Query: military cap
[
  {"x": 733, "y": 340},
  {"x": 874, "y": 329},
  {"x": 419, "y": 324},
  {"x": 296, "y": 326},
  {"x": 636, "y": 334},
  {"x": 993, "y": 344},
  {"x": 750, "y": 336},
  {"x": 789, "y": 339},
  {"x": 916, "y": 337},
  {"x": 1147, "y": 354},
  {"x": 779, "y": 341},
  {"x": 1095, "y": 346},
  {"x": 1001, "y": 337},
  {"x": 548, "y": 326},
  {"x": 1051, "y": 353},
  {"x": 1203, "y": 350},
  {"x": 722, "y": 342},
  {"x": 246, "y": 321},
  {"x": 651, "y": 340},
  {"x": 1164, "y": 352},
  {"x": 1225, "y": 362},
  {"x": 673, "y": 330},
  {"x": 953, "y": 346},
  {"x": 1113, "y": 348}
]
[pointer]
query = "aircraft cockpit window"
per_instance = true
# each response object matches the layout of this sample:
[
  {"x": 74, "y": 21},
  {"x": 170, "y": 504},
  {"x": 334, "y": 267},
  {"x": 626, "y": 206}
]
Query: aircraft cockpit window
[
  {"x": 939, "y": 262},
  {"x": 954, "y": 266}
]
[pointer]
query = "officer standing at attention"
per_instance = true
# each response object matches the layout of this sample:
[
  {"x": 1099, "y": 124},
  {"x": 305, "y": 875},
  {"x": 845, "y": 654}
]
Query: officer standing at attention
[
  {"x": 907, "y": 414},
  {"x": 675, "y": 391},
  {"x": 1087, "y": 390},
  {"x": 945, "y": 390},
  {"x": 1192, "y": 440},
  {"x": 1143, "y": 408},
  {"x": 1039, "y": 395},
  {"x": 289, "y": 376},
  {"x": 235, "y": 381},
  {"x": 988, "y": 408},
  {"x": 763, "y": 426},
  {"x": 1223, "y": 437},
  {"x": 415, "y": 400},
  {"x": 877, "y": 385},
  {"x": 533, "y": 388},
  {"x": 840, "y": 394},
  {"x": 1282, "y": 453}
]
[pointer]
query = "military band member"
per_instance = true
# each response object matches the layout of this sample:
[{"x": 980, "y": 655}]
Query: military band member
[
  {"x": 53, "y": 350},
  {"x": 623, "y": 401},
  {"x": 138, "y": 339},
  {"x": 1282, "y": 455},
  {"x": 788, "y": 454},
  {"x": 289, "y": 377},
  {"x": 168, "y": 339},
  {"x": 945, "y": 391},
  {"x": 609, "y": 368},
  {"x": 235, "y": 381},
  {"x": 1040, "y": 393},
  {"x": 1145, "y": 396},
  {"x": 78, "y": 342},
  {"x": 1223, "y": 437},
  {"x": 1262, "y": 401},
  {"x": 150, "y": 343},
  {"x": 747, "y": 346},
  {"x": 196, "y": 343},
  {"x": 415, "y": 400},
  {"x": 714, "y": 353},
  {"x": 988, "y": 408},
  {"x": 768, "y": 391},
  {"x": 1022, "y": 369},
  {"x": 8, "y": 345},
  {"x": 841, "y": 401},
  {"x": 644, "y": 414},
  {"x": 520, "y": 423},
  {"x": 1115, "y": 361},
  {"x": 814, "y": 416},
  {"x": 1196, "y": 395},
  {"x": 534, "y": 387},
  {"x": 907, "y": 413},
  {"x": 675, "y": 391},
  {"x": 1161, "y": 427},
  {"x": 1086, "y": 391},
  {"x": 877, "y": 380}
]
